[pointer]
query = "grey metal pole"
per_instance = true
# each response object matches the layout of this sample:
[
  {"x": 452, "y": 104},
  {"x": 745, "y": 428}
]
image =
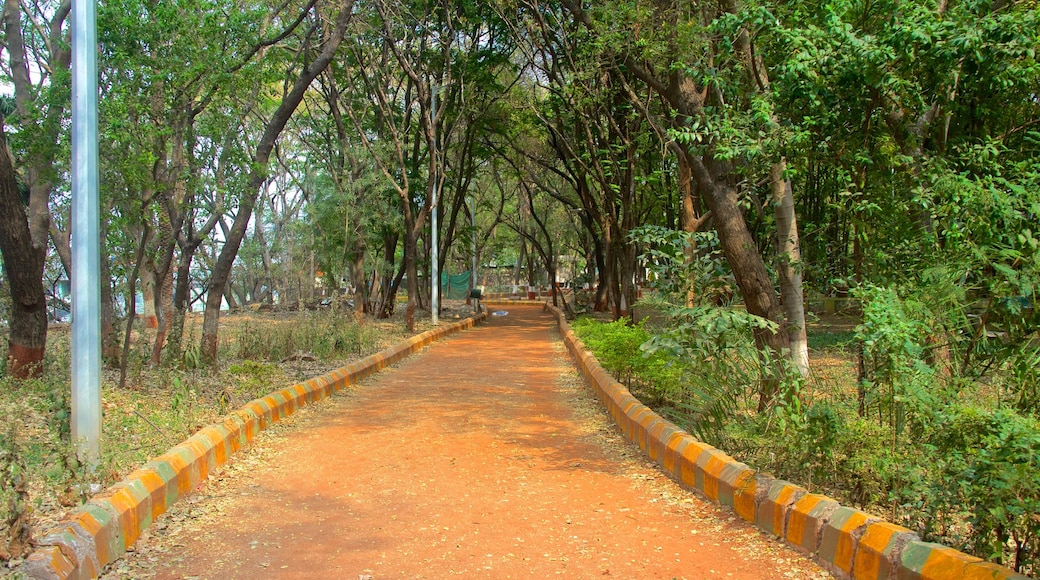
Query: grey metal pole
[
  {"x": 473, "y": 222},
  {"x": 86, "y": 239},
  {"x": 435, "y": 274}
]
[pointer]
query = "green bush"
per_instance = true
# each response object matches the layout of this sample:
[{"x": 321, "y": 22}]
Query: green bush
[
  {"x": 618, "y": 347},
  {"x": 701, "y": 372},
  {"x": 252, "y": 380},
  {"x": 985, "y": 495}
]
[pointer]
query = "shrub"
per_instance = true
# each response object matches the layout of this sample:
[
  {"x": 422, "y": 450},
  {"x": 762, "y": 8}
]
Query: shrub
[
  {"x": 986, "y": 493},
  {"x": 618, "y": 346}
]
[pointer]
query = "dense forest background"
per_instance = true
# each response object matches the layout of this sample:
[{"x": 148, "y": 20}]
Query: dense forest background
[{"x": 717, "y": 166}]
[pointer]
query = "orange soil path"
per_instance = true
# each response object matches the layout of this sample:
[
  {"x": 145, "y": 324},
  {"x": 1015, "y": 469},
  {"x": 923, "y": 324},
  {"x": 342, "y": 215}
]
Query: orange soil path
[{"x": 471, "y": 459}]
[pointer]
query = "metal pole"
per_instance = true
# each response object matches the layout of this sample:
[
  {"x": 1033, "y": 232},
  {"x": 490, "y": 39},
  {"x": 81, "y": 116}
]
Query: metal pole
[
  {"x": 86, "y": 239},
  {"x": 435, "y": 274},
  {"x": 473, "y": 222}
]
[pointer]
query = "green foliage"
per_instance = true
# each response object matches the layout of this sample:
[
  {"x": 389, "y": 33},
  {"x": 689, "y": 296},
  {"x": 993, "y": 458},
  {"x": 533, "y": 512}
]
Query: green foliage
[
  {"x": 832, "y": 340},
  {"x": 702, "y": 370},
  {"x": 252, "y": 380},
  {"x": 822, "y": 447},
  {"x": 900, "y": 385},
  {"x": 1022, "y": 380},
  {"x": 679, "y": 262},
  {"x": 904, "y": 444},
  {"x": 985, "y": 469},
  {"x": 618, "y": 347},
  {"x": 15, "y": 510}
]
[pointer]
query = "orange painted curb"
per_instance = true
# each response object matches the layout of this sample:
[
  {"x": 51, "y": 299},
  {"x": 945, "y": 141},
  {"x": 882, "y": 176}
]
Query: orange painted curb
[
  {"x": 851, "y": 543},
  {"x": 878, "y": 550},
  {"x": 805, "y": 521},
  {"x": 674, "y": 448},
  {"x": 840, "y": 538},
  {"x": 100, "y": 531},
  {"x": 773, "y": 508}
]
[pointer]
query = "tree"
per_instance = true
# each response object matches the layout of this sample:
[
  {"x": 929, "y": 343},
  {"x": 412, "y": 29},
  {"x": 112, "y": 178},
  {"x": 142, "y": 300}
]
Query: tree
[
  {"x": 330, "y": 39},
  {"x": 39, "y": 110},
  {"x": 23, "y": 267},
  {"x": 706, "y": 84}
]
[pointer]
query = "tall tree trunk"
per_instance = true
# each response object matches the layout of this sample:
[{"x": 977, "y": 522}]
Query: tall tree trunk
[
  {"x": 265, "y": 253},
  {"x": 131, "y": 304},
  {"x": 715, "y": 179},
  {"x": 388, "y": 286},
  {"x": 520, "y": 259},
  {"x": 607, "y": 292},
  {"x": 411, "y": 273},
  {"x": 789, "y": 268},
  {"x": 181, "y": 291},
  {"x": 148, "y": 290},
  {"x": 23, "y": 237},
  {"x": 23, "y": 266},
  {"x": 357, "y": 276},
  {"x": 599, "y": 302},
  {"x": 257, "y": 177},
  {"x": 788, "y": 252},
  {"x": 109, "y": 336},
  {"x": 229, "y": 296},
  {"x": 164, "y": 309},
  {"x": 751, "y": 276}
]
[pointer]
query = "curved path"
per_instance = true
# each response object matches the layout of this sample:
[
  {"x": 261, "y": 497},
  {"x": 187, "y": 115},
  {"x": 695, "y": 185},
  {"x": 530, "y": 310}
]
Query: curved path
[{"x": 482, "y": 457}]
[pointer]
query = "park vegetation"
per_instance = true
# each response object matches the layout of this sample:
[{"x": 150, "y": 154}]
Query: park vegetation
[{"x": 723, "y": 166}]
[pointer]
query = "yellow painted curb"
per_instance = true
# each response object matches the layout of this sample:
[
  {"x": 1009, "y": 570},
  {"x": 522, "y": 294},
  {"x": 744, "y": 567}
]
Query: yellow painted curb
[
  {"x": 100, "y": 531},
  {"x": 850, "y": 543}
]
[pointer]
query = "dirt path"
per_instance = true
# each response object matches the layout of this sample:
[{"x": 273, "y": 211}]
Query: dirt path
[{"x": 483, "y": 457}]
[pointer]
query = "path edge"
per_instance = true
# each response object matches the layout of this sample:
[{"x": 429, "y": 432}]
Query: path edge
[
  {"x": 849, "y": 543},
  {"x": 100, "y": 531}
]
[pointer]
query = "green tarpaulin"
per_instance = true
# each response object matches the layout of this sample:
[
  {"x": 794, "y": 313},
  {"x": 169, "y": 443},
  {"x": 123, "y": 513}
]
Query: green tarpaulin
[{"x": 455, "y": 286}]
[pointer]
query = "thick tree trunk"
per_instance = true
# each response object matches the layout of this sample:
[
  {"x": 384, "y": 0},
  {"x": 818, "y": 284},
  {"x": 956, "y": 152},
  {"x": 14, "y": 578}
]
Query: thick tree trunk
[
  {"x": 257, "y": 177},
  {"x": 599, "y": 302},
  {"x": 789, "y": 268},
  {"x": 357, "y": 276},
  {"x": 148, "y": 288},
  {"x": 23, "y": 267},
  {"x": 608, "y": 275},
  {"x": 751, "y": 276},
  {"x": 23, "y": 239},
  {"x": 714, "y": 179},
  {"x": 229, "y": 296},
  {"x": 109, "y": 335},
  {"x": 164, "y": 309},
  {"x": 265, "y": 254},
  {"x": 388, "y": 285},
  {"x": 131, "y": 305},
  {"x": 411, "y": 273},
  {"x": 788, "y": 252},
  {"x": 390, "y": 301},
  {"x": 181, "y": 291},
  {"x": 520, "y": 259}
]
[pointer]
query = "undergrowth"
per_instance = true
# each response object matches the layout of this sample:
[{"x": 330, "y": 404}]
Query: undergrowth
[{"x": 961, "y": 473}]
